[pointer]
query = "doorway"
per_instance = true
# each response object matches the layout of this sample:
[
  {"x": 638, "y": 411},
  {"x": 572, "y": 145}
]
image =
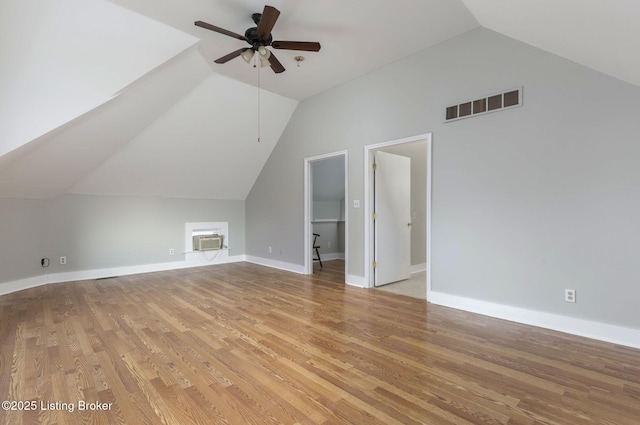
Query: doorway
[
  {"x": 418, "y": 148},
  {"x": 325, "y": 212}
]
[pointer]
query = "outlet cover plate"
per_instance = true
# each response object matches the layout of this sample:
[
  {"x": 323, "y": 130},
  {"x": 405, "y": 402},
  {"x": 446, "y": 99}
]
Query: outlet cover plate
[{"x": 570, "y": 295}]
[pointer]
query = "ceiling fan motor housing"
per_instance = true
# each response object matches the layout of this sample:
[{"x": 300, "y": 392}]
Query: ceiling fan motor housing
[
  {"x": 254, "y": 38},
  {"x": 260, "y": 37}
]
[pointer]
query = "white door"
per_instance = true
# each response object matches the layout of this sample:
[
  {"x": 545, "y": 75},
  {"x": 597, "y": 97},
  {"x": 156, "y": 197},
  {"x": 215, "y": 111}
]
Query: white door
[{"x": 392, "y": 223}]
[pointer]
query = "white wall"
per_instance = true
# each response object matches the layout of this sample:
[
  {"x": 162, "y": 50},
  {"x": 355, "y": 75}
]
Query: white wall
[{"x": 526, "y": 202}]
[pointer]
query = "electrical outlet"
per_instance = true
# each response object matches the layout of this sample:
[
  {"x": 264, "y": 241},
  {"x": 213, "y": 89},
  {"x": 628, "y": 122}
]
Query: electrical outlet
[
  {"x": 281, "y": 251},
  {"x": 63, "y": 260},
  {"x": 329, "y": 245},
  {"x": 570, "y": 295},
  {"x": 269, "y": 250},
  {"x": 172, "y": 251}
]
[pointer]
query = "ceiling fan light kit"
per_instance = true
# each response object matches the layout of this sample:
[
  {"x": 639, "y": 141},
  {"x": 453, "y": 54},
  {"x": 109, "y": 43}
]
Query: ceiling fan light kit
[
  {"x": 247, "y": 55},
  {"x": 260, "y": 38}
]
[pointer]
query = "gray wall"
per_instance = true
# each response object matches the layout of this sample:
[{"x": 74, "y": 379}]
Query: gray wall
[
  {"x": 526, "y": 202},
  {"x": 331, "y": 237},
  {"x": 21, "y": 238},
  {"x": 327, "y": 176},
  {"x": 327, "y": 210},
  {"x": 328, "y": 179},
  {"x": 96, "y": 232}
]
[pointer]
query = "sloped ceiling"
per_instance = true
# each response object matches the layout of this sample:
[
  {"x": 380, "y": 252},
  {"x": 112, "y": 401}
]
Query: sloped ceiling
[
  {"x": 122, "y": 97},
  {"x": 205, "y": 146},
  {"x": 357, "y": 36},
  {"x": 50, "y": 165},
  {"x": 62, "y": 58},
  {"x": 601, "y": 34}
]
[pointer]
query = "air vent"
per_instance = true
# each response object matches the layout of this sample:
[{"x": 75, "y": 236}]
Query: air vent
[{"x": 492, "y": 103}]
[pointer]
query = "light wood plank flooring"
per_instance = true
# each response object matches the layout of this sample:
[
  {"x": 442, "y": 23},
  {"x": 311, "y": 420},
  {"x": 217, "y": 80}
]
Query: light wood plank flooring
[{"x": 244, "y": 344}]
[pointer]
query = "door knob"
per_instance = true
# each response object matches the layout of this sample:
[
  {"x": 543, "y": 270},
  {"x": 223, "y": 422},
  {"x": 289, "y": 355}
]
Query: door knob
[{"x": 409, "y": 223}]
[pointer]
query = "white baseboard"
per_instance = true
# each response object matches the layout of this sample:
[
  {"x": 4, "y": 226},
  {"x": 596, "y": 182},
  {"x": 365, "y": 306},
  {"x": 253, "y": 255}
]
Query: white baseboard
[
  {"x": 360, "y": 281},
  {"x": 417, "y": 268},
  {"x": 19, "y": 285},
  {"x": 354, "y": 280},
  {"x": 281, "y": 265},
  {"x": 601, "y": 331},
  {"x": 596, "y": 330},
  {"x": 332, "y": 256}
]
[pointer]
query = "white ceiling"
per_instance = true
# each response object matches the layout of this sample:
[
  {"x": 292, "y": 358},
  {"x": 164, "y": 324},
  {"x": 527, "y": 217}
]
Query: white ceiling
[
  {"x": 62, "y": 58},
  {"x": 601, "y": 34},
  {"x": 195, "y": 150},
  {"x": 95, "y": 94},
  {"x": 357, "y": 36}
]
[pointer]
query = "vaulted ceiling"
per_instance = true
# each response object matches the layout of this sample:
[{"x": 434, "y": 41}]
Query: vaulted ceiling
[{"x": 122, "y": 97}]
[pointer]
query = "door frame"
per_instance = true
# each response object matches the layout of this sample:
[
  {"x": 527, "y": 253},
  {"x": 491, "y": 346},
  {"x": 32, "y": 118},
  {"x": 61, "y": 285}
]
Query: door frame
[
  {"x": 308, "y": 207},
  {"x": 368, "y": 203}
]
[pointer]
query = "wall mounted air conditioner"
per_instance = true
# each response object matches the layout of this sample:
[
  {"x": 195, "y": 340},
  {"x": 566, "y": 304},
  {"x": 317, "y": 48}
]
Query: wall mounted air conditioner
[{"x": 207, "y": 242}]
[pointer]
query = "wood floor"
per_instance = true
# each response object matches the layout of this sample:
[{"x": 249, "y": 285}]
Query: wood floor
[{"x": 244, "y": 344}]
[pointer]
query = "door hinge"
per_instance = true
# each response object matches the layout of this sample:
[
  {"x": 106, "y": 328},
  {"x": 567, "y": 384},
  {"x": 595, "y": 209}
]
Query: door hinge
[
  {"x": 374, "y": 264},
  {"x": 374, "y": 216},
  {"x": 375, "y": 166}
]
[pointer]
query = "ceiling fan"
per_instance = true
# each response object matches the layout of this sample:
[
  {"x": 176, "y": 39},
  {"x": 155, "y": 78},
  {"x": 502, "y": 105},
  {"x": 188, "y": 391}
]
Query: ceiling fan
[{"x": 260, "y": 38}]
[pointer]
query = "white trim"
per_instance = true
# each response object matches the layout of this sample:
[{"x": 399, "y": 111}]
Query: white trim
[
  {"x": 368, "y": 199},
  {"x": 354, "y": 280},
  {"x": 429, "y": 264},
  {"x": 418, "y": 268},
  {"x": 308, "y": 255},
  {"x": 328, "y": 256},
  {"x": 281, "y": 265},
  {"x": 601, "y": 331},
  {"x": 19, "y": 285},
  {"x": 196, "y": 258}
]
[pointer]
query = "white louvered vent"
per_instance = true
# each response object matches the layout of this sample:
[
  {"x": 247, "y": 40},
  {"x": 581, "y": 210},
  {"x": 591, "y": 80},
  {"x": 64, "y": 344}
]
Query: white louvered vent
[{"x": 492, "y": 103}]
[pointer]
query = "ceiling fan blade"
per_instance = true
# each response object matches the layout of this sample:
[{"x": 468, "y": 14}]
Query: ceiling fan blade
[
  {"x": 267, "y": 21},
  {"x": 220, "y": 30},
  {"x": 307, "y": 46},
  {"x": 231, "y": 55},
  {"x": 275, "y": 64}
]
